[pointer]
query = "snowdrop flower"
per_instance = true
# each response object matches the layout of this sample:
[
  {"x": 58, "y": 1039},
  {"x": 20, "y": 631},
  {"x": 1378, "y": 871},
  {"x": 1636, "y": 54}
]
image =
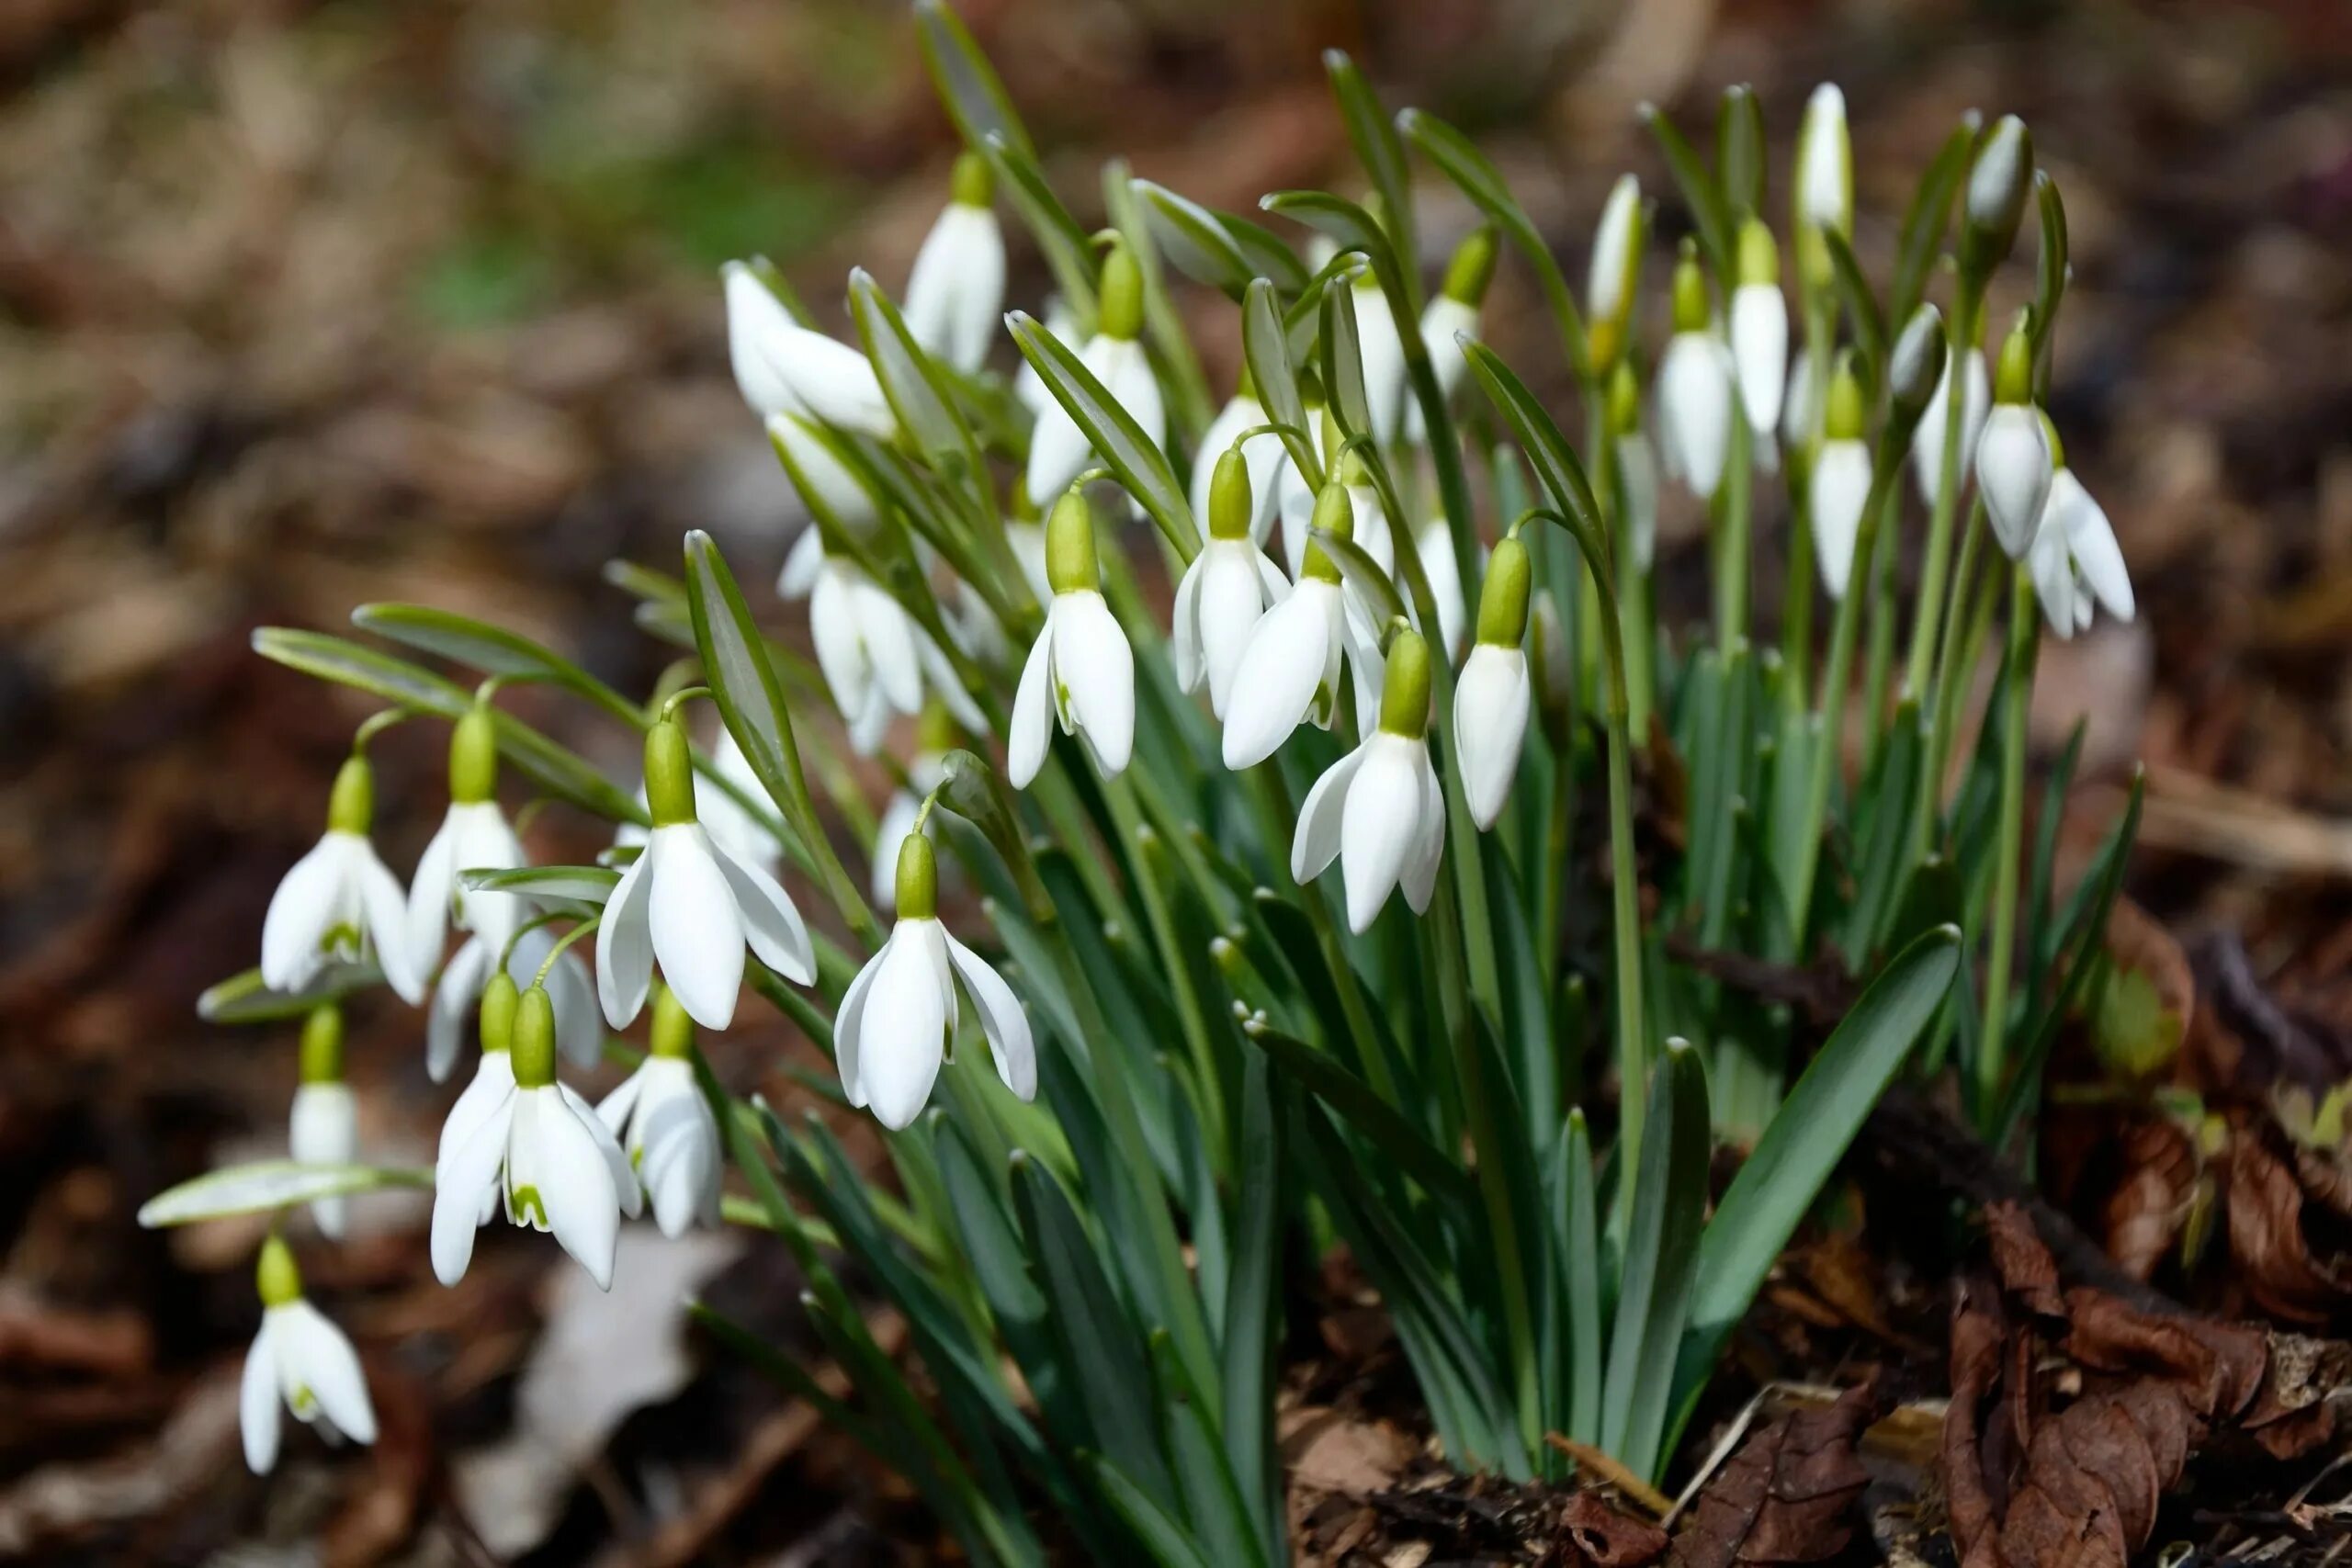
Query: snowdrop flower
[
  {"x": 729, "y": 823},
  {"x": 323, "y": 1128},
  {"x": 936, "y": 737},
  {"x": 1434, "y": 545},
  {"x": 1367, "y": 519},
  {"x": 693, "y": 904},
  {"x": 542, "y": 1146},
  {"x": 781, "y": 367},
  {"x": 1795, "y": 401},
  {"x": 1695, "y": 388},
  {"x": 493, "y": 1078},
  {"x": 1840, "y": 485},
  {"x": 1226, "y": 588},
  {"x": 832, "y": 494},
  {"x": 474, "y": 835},
  {"x": 339, "y": 901},
  {"x": 665, "y": 1127},
  {"x": 1760, "y": 330},
  {"x": 1381, "y": 350},
  {"x": 301, "y": 1360},
  {"x": 2013, "y": 454},
  {"x": 578, "y": 1030},
  {"x": 1636, "y": 464},
  {"x": 1997, "y": 181},
  {"x": 1492, "y": 700},
  {"x": 2073, "y": 556},
  {"x": 898, "y": 1017},
  {"x": 1451, "y": 319},
  {"x": 1059, "y": 450},
  {"x": 1263, "y": 454},
  {"x": 1824, "y": 182},
  {"x": 1289, "y": 672},
  {"x": 1928, "y": 437},
  {"x": 1616, "y": 270},
  {"x": 1081, "y": 672},
  {"x": 866, "y": 645},
  {"x": 1377, "y": 810},
  {"x": 956, "y": 294}
]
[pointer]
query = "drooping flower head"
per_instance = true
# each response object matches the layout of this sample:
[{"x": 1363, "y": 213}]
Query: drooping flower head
[
  {"x": 1615, "y": 275},
  {"x": 1378, "y": 810},
  {"x": 1694, "y": 386},
  {"x": 1059, "y": 449},
  {"x": 1080, "y": 673},
  {"x": 1226, "y": 589},
  {"x": 1450, "y": 318},
  {"x": 1824, "y": 194},
  {"x": 339, "y": 901},
  {"x": 692, "y": 903},
  {"x": 1492, "y": 700},
  {"x": 474, "y": 835},
  {"x": 665, "y": 1126},
  {"x": 1840, "y": 484},
  {"x": 1636, "y": 463},
  {"x": 1289, "y": 671},
  {"x": 956, "y": 294},
  {"x": 781, "y": 367},
  {"x": 300, "y": 1362},
  {"x": 2013, "y": 454},
  {"x": 2074, "y": 558},
  {"x": 1261, "y": 453},
  {"x": 323, "y": 1126},
  {"x": 1760, "y": 330}
]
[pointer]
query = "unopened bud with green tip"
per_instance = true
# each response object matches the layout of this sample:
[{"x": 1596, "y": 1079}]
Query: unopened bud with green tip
[
  {"x": 1759, "y": 329},
  {"x": 1232, "y": 504},
  {"x": 918, "y": 883},
  {"x": 533, "y": 1051},
  {"x": 473, "y": 757},
  {"x": 1842, "y": 413},
  {"x": 1404, "y": 688},
  {"x": 1837, "y": 491},
  {"x": 1472, "y": 268},
  {"x": 1690, "y": 307},
  {"x": 322, "y": 1046},
  {"x": 1916, "y": 368},
  {"x": 1335, "y": 515},
  {"x": 500, "y": 998},
  {"x": 2013, "y": 457},
  {"x": 1999, "y": 182},
  {"x": 1120, "y": 313},
  {"x": 1824, "y": 196},
  {"x": 1760, "y": 256},
  {"x": 974, "y": 182},
  {"x": 1503, "y": 597},
  {"x": 351, "y": 807},
  {"x": 275, "y": 1275},
  {"x": 1624, "y": 410},
  {"x": 669, "y": 773},
  {"x": 1616, "y": 268},
  {"x": 672, "y": 1036},
  {"x": 1072, "y": 565},
  {"x": 2013, "y": 372}
]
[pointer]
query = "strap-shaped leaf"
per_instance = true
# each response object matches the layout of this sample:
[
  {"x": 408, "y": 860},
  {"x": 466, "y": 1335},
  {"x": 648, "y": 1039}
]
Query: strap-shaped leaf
[
  {"x": 245, "y": 999},
  {"x": 580, "y": 884},
  {"x": 978, "y": 793},
  {"x": 1364, "y": 574},
  {"x": 1195, "y": 240},
  {"x": 1266, "y": 348},
  {"x": 1252, "y": 1304},
  {"x": 917, "y": 392},
  {"x": 1117, "y": 439},
  {"x": 1661, "y": 1259},
  {"x": 1151, "y": 1526},
  {"x": 1382, "y": 154},
  {"x": 2052, "y": 272},
  {"x": 1187, "y": 386},
  {"x": 967, "y": 85},
  {"x": 1862, "y": 307},
  {"x": 270, "y": 1184},
  {"x": 1546, "y": 449},
  {"x": 1058, "y": 234},
  {"x": 492, "y": 649},
  {"x": 1213, "y": 1499},
  {"x": 1700, "y": 193},
  {"x": 561, "y": 773},
  {"x": 1383, "y": 1125},
  {"x": 1739, "y": 151},
  {"x": 1342, "y": 360},
  {"x": 1460, "y": 161},
  {"x": 1925, "y": 220}
]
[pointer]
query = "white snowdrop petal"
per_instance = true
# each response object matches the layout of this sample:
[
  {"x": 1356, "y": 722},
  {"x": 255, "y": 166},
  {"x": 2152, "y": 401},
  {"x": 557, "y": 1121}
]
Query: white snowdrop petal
[
  {"x": 386, "y": 909},
  {"x": 1316, "y": 843},
  {"x": 771, "y": 923},
  {"x": 455, "y": 998},
  {"x": 257, "y": 1400},
  {"x": 2012, "y": 474},
  {"x": 1760, "y": 342},
  {"x": 429, "y": 892},
  {"x": 756, "y": 320},
  {"x": 696, "y": 928},
  {"x": 460, "y": 1182},
  {"x": 1491, "y": 704},
  {"x": 1841, "y": 482},
  {"x": 1274, "y": 681},
  {"x": 2090, "y": 538},
  {"x": 904, "y": 1034},
  {"x": 576, "y": 1188},
  {"x": 848, "y": 1027},
  {"x": 1231, "y": 599},
  {"x": 1419, "y": 879},
  {"x": 1694, "y": 407},
  {"x": 889, "y": 837},
  {"x": 1093, "y": 663},
  {"x": 799, "y": 578},
  {"x": 608, "y": 1142},
  {"x": 625, "y": 944},
  {"x": 1377, "y": 825},
  {"x": 321, "y": 1357},
  {"x": 614, "y": 1110},
  {"x": 1002, "y": 1020},
  {"x": 1185, "y": 624},
  {"x": 1032, "y": 703},
  {"x": 299, "y": 914},
  {"x": 889, "y": 636}
]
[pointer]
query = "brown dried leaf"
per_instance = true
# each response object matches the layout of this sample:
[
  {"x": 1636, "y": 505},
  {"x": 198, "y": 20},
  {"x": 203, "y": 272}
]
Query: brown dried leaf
[
  {"x": 1786, "y": 1495},
  {"x": 2027, "y": 1270},
  {"x": 2144, "y": 1216},
  {"x": 2267, "y": 1240},
  {"x": 1607, "y": 1538}
]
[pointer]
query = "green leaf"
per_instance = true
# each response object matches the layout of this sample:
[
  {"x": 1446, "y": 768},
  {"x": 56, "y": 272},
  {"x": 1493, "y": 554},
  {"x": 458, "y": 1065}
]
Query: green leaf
[
  {"x": 1739, "y": 150},
  {"x": 1923, "y": 221},
  {"x": 1213, "y": 1500},
  {"x": 969, "y": 85},
  {"x": 1700, "y": 193},
  {"x": 245, "y": 999},
  {"x": 1363, "y": 575},
  {"x": 270, "y": 1184},
  {"x": 1188, "y": 387},
  {"x": 1381, "y": 1123},
  {"x": 1065, "y": 244},
  {"x": 1253, "y": 1305},
  {"x": 1382, "y": 152},
  {"x": 561, "y": 773},
  {"x": 911, "y": 381},
  {"x": 1460, "y": 161},
  {"x": 1862, "y": 307},
  {"x": 1154, "y": 1531},
  {"x": 1266, "y": 347},
  {"x": 978, "y": 793},
  {"x": 1579, "y": 1260},
  {"x": 2050, "y": 273},
  {"x": 1555, "y": 464},
  {"x": 1100, "y": 1344},
  {"x": 492, "y": 649},
  {"x": 1141, "y": 466},
  {"x": 1199, "y": 246},
  {"x": 578, "y": 883},
  {"x": 1342, "y": 355},
  {"x": 1804, "y": 1142},
  {"x": 734, "y": 657},
  {"x": 1661, "y": 1259}
]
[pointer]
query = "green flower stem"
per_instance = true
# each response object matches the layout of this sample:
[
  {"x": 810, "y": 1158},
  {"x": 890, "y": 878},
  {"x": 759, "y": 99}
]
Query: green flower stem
[
  {"x": 1963, "y": 637},
  {"x": 1354, "y": 1010},
  {"x": 1734, "y": 505},
  {"x": 1967, "y": 320},
  {"x": 1879, "y": 663},
  {"x": 2017, "y": 698},
  {"x": 1119, "y": 794},
  {"x": 1835, "y": 677},
  {"x": 1796, "y": 596}
]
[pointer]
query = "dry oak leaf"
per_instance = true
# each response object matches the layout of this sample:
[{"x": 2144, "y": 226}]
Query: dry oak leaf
[
  {"x": 1788, "y": 1494},
  {"x": 1598, "y": 1536},
  {"x": 2267, "y": 1240}
]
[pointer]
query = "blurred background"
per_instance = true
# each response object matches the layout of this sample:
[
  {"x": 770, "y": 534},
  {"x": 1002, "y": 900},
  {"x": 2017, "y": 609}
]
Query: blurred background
[{"x": 308, "y": 304}]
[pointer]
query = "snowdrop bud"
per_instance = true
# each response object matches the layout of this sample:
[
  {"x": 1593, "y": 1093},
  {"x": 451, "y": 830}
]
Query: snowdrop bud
[
  {"x": 1759, "y": 328},
  {"x": 1840, "y": 485},
  {"x": 1120, "y": 313},
  {"x": 669, "y": 773},
  {"x": 918, "y": 879},
  {"x": 2013, "y": 464},
  {"x": 955, "y": 293},
  {"x": 1503, "y": 597},
  {"x": 500, "y": 997},
  {"x": 473, "y": 757},
  {"x": 1492, "y": 700},
  {"x": 322, "y": 1059},
  {"x": 1997, "y": 182},
  {"x": 1616, "y": 264},
  {"x": 323, "y": 1126},
  {"x": 1917, "y": 367},
  {"x": 1404, "y": 696},
  {"x": 1825, "y": 185},
  {"x": 1080, "y": 671},
  {"x": 1694, "y": 387},
  {"x": 1472, "y": 268}
]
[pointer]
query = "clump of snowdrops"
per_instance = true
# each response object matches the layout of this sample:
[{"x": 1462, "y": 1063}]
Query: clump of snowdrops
[{"x": 1196, "y": 936}]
